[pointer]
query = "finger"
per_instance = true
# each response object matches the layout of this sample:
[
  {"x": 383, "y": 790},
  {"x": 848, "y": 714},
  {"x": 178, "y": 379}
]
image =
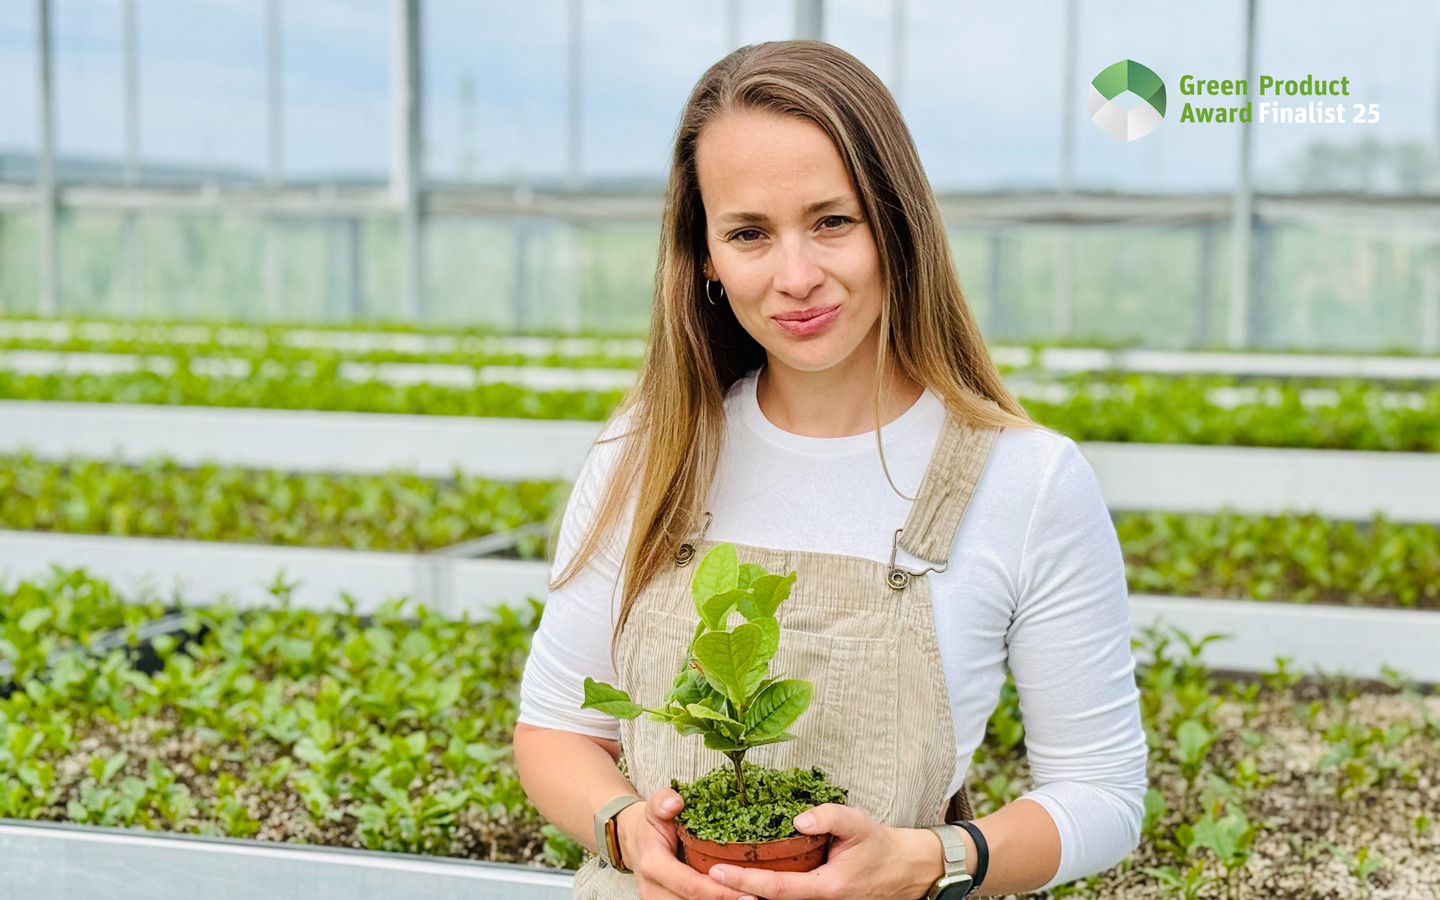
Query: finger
[
  {"x": 832, "y": 818},
  {"x": 664, "y": 805},
  {"x": 772, "y": 885},
  {"x": 681, "y": 880}
]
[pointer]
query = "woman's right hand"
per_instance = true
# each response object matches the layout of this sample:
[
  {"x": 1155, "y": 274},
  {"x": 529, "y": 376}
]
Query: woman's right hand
[{"x": 647, "y": 848}]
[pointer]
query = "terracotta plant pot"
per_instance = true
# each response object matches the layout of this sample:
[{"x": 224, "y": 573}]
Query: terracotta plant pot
[{"x": 793, "y": 854}]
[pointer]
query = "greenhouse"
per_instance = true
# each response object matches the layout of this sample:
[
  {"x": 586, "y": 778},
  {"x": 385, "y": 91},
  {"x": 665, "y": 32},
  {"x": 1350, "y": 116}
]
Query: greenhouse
[{"x": 314, "y": 315}]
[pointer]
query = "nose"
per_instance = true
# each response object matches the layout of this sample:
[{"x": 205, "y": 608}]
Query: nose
[{"x": 796, "y": 272}]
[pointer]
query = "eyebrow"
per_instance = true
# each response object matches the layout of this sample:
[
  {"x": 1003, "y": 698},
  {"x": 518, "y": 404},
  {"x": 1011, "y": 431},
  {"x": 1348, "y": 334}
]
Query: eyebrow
[{"x": 755, "y": 217}]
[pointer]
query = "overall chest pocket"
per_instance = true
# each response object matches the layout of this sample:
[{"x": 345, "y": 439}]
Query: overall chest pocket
[{"x": 849, "y": 729}]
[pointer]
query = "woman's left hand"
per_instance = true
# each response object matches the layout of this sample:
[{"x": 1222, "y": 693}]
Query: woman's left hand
[{"x": 867, "y": 859}]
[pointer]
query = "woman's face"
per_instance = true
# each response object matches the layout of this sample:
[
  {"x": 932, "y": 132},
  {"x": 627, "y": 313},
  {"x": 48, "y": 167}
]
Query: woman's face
[{"x": 787, "y": 236}]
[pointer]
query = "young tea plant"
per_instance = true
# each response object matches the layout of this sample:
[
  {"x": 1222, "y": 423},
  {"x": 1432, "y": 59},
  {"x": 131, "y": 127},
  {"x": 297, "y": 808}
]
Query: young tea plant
[{"x": 723, "y": 690}]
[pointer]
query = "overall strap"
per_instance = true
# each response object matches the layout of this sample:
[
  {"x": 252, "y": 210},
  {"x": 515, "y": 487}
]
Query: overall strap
[{"x": 955, "y": 466}]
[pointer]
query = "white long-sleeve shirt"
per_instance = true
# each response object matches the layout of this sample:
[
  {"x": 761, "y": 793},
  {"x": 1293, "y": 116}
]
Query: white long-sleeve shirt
[{"x": 1036, "y": 581}]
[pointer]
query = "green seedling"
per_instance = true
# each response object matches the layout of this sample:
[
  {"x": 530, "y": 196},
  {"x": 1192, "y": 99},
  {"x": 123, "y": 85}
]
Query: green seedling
[{"x": 723, "y": 691}]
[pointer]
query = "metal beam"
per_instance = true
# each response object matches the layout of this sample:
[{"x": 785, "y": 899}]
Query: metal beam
[
  {"x": 574, "y": 98},
  {"x": 810, "y": 20},
  {"x": 132, "y": 156},
  {"x": 1064, "y": 298},
  {"x": 405, "y": 163},
  {"x": 45, "y": 165},
  {"x": 1242, "y": 218},
  {"x": 1370, "y": 214},
  {"x": 897, "y": 50},
  {"x": 275, "y": 168}
]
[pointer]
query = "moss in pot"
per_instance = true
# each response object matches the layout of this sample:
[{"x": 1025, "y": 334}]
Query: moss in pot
[{"x": 739, "y": 814}]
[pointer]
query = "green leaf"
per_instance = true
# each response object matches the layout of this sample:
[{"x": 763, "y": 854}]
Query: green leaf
[
  {"x": 775, "y": 739},
  {"x": 769, "y": 592},
  {"x": 610, "y": 700},
  {"x": 777, "y": 708},
  {"x": 690, "y": 687},
  {"x": 447, "y": 693},
  {"x": 307, "y": 751},
  {"x": 749, "y": 572},
  {"x": 1193, "y": 740},
  {"x": 726, "y": 658},
  {"x": 113, "y": 765},
  {"x": 34, "y": 618},
  {"x": 732, "y": 727},
  {"x": 716, "y": 610},
  {"x": 769, "y": 644},
  {"x": 718, "y": 740},
  {"x": 717, "y": 573}
]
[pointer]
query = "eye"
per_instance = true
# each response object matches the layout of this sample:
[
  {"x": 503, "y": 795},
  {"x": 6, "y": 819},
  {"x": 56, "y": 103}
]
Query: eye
[
  {"x": 740, "y": 236},
  {"x": 833, "y": 222}
]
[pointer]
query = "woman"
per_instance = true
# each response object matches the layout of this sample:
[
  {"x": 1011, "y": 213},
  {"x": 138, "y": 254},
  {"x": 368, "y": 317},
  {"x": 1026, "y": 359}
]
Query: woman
[{"x": 815, "y": 391}]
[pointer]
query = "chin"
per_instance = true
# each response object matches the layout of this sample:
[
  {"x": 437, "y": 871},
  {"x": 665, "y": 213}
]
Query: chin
[{"x": 819, "y": 362}]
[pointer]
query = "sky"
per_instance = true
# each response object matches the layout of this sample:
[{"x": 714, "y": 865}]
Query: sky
[{"x": 981, "y": 84}]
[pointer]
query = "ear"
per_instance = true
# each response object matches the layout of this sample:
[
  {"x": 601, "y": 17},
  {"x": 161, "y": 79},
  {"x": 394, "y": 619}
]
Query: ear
[{"x": 708, "y": 270}]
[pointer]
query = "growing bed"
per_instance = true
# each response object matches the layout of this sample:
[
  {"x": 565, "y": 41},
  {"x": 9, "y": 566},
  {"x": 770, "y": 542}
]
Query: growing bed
[
  {"x": 391, "y": 733},
  {"x": 1296, "y": 558},
  {"x": 1348, "y": 415}
]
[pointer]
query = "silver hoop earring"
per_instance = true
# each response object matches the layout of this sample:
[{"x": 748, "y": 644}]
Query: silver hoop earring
[{"x": 707, "y": 291}]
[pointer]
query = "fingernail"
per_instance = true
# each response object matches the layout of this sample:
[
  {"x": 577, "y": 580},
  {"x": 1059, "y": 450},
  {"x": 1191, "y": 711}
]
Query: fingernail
[
  {"x": 746, "y": 897},
  {"x": 804, "y": 820},
  {"x": 718, "y": 873}
]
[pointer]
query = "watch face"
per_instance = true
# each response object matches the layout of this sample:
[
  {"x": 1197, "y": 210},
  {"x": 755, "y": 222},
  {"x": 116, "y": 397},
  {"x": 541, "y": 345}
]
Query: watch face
[{"x": 955, "y": 888}]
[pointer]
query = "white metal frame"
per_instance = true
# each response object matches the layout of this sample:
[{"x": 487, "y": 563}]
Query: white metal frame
[
  {"x": 1351, "y": 640},
  {"x": 300, "y": 440},
  {"x": 53, "y": 861},
  {"x": 1342, "y": 484},
  {"x": 202, "y": 572}
]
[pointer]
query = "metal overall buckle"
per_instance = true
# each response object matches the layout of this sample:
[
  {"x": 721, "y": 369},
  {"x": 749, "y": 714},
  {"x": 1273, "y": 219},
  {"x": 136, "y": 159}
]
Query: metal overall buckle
[
  {"x": 899, "y": 578},
  {"x": 686, "y": 551}
]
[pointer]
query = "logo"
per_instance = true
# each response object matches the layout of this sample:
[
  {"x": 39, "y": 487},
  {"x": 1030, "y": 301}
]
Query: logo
[{"x": 1114, "y": 119}]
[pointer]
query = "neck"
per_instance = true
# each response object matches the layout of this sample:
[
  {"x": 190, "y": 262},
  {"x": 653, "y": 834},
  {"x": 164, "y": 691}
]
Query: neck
[{"x": 838, "y": 402}]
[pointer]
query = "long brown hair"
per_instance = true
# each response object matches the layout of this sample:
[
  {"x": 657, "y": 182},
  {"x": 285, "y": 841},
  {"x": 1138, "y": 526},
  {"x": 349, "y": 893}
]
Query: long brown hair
[{"x": 696, "y": 350}]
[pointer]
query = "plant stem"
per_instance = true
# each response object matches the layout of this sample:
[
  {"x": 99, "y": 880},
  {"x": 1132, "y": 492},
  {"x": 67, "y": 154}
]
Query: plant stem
[{"x": 735, "y": 759}]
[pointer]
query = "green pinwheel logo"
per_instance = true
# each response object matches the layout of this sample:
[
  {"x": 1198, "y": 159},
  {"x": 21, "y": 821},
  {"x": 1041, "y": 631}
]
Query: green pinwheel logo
[{"x": 1114, "y": 119}]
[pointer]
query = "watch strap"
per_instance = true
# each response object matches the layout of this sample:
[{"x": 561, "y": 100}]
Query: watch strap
[
  {"x": 607, "y": 836},
  {"x": 982, "y": 851},
  {"x": 955, "y": 875}
]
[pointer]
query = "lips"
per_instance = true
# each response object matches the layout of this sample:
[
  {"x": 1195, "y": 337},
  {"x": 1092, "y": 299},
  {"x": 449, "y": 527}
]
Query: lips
[
  {"x": 820, "y": 319},
  {"x": 804, "y": 314}
]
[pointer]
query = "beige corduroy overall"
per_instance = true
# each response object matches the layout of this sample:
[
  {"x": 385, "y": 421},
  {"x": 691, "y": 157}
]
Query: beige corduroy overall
[{"x": 863, "y": 631}]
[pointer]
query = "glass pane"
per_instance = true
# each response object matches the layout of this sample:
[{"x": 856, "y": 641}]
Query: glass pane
[
  {"x": 981, "y": 92},
  {"x": 92, "y": 269},
  {"x": 1343, "y": 288},
  {"x": 494, "y": 82},
  {"x": 1203, "y": 40},
  {"x": 867, "y": 30},
  {"x": 1390, "y": 61},
  {"x": 336, "y": 88},
  {"x": 19, "y": 258},
  {"x": 203, "y": 89},
  {"x": 203, "y": 266},
  {"x": 18, "y": 126},
  {"x": 89, "y": 90},
  {"x": 640, "y": 61},
  {"x": 497, "y": 84}
]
